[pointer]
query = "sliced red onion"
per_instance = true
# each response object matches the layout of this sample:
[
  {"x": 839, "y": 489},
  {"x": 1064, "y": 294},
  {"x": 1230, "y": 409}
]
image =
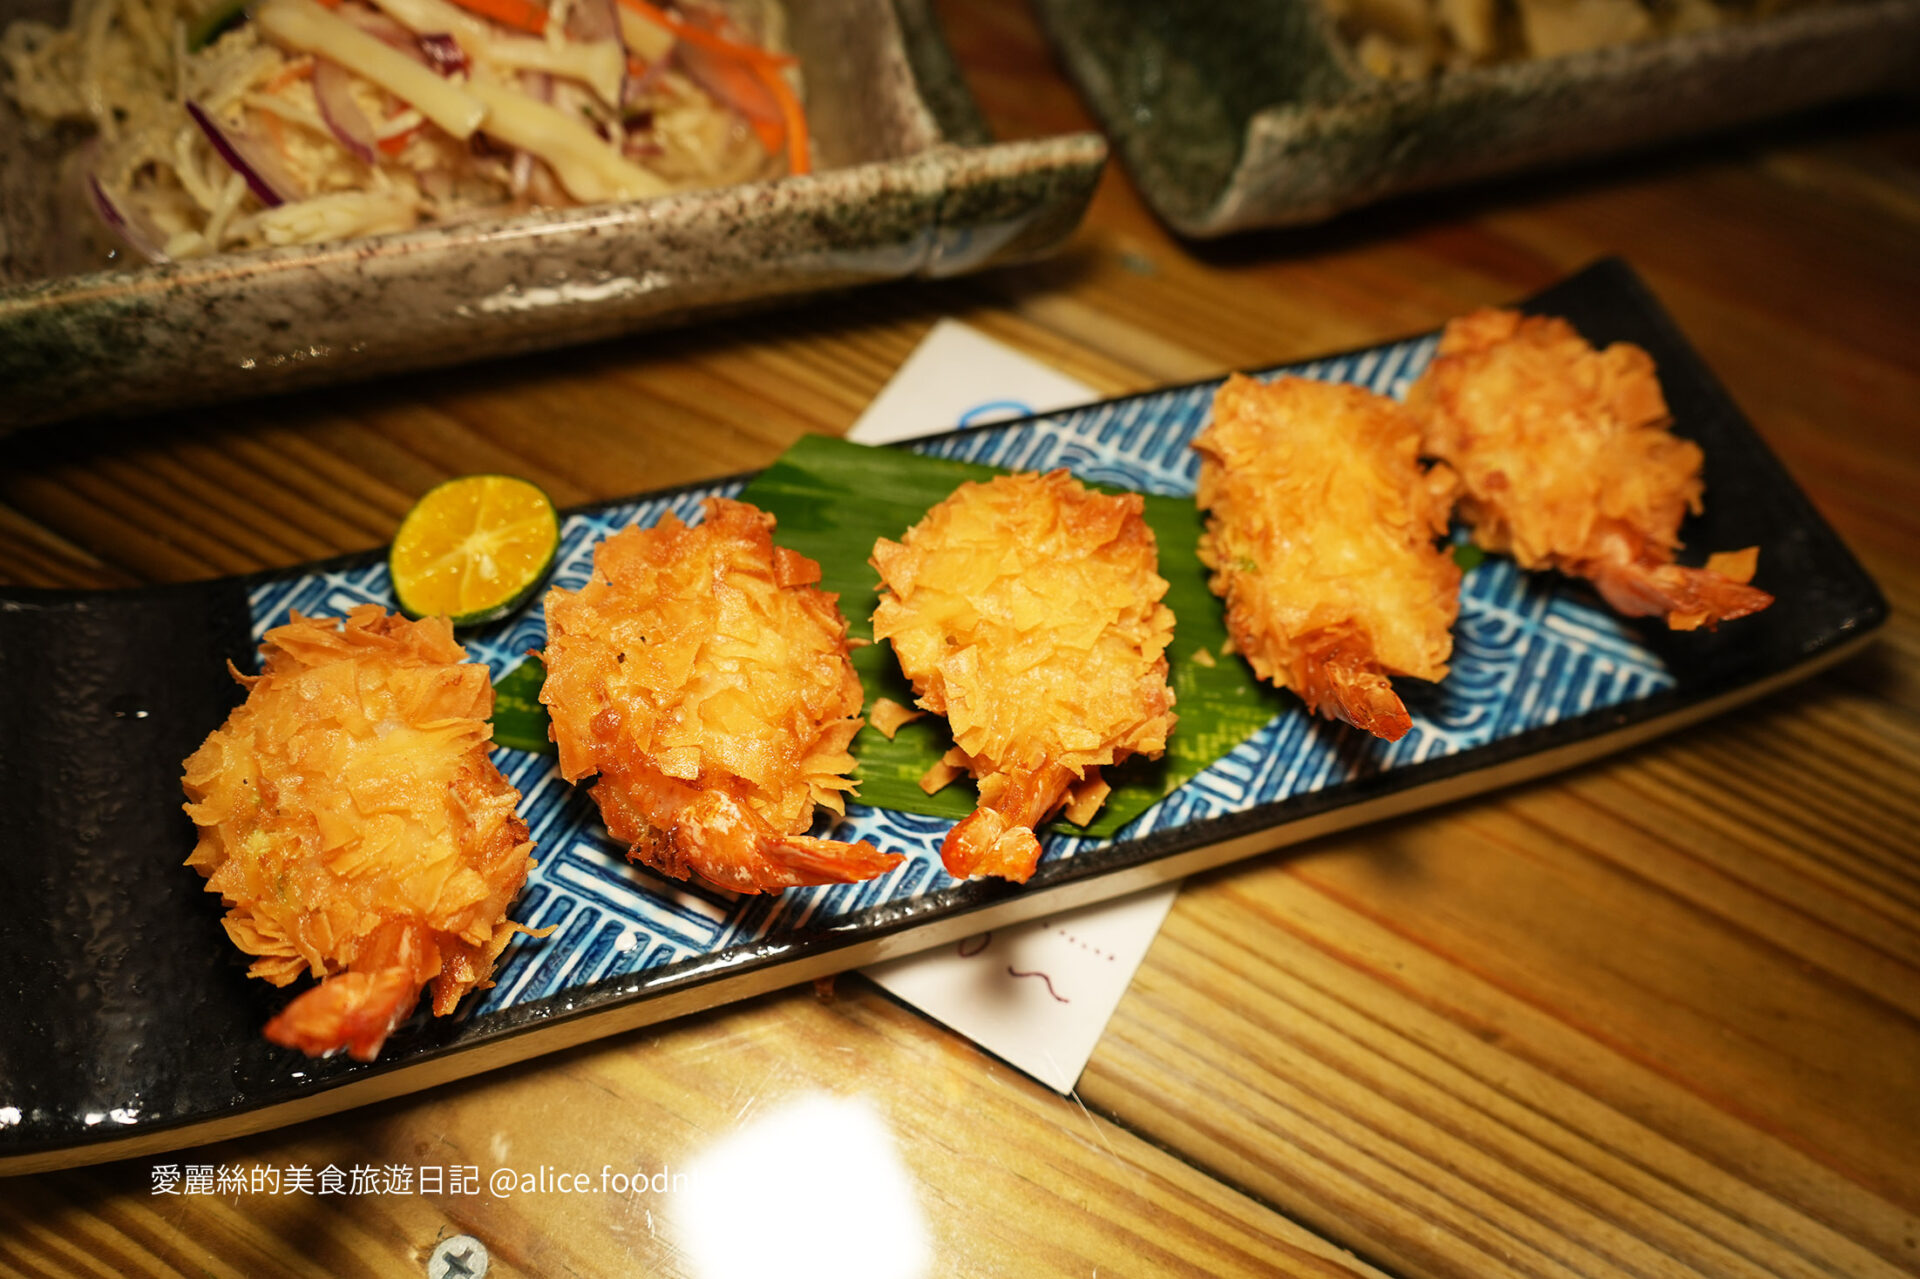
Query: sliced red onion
[
  {"x": 384, "y": 29},
  {"x": 716, "y": 20},
  {"x": 638, "y": 87},
  {"x": 141, "y": 237},
  {"x": 443, "y": 53},
  {"x": 744, "y": 93},
  {"x": 594, "y": 20},
  {"x": 333, "y": 92},
  {"x": 243, "y": 156}
]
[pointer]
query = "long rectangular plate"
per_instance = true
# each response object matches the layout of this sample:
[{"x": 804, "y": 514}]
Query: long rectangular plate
[{"x": 131, "y": 1026}]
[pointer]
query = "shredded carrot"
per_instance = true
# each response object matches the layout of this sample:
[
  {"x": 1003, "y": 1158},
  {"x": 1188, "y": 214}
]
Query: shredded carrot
[
  {"x": 398, "y": 142},
  {"x": 278, "y": 135},
  {"x": 635, "y": 67},
  {"x": 743, "y": 86},
  {"x": 704, "y": 38},
  {"x": 755, "y": 63},
  {"x": 523, "y": 15},
  {"x": 772, "y": 137},
  {"x": 297, "y": 70},
  {"x": 799, "y": 159}
]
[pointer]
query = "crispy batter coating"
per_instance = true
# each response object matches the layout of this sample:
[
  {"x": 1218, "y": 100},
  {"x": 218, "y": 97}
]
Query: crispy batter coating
[
  {"x": 1321, "y": 537},
  {"x": 351, "y": 821},
  {"x": 1027, "y": 611},
  {"x": 708, "y": 682},
  {"x": 1567, "y": 462}
]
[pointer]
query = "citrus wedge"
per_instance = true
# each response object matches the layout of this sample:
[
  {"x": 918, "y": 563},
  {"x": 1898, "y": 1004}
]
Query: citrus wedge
[{"x": 474, "y": 548}]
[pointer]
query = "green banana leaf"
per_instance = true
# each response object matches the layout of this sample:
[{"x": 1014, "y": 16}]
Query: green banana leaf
[
  {"x": 519, "y": 720},
  {"x": 833, "y": 500}
]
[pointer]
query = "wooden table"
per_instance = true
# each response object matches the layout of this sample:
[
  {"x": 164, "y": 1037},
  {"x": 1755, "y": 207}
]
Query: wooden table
[{"x": 1654, "y": 1017}]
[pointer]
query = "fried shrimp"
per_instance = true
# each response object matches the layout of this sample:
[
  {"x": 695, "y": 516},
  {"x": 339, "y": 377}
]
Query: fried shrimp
[
  {"x": 1567, "y": 462},
  {"x": 707, "y": 680},
  {"x": 352, "y": 823},
  {"x": 1321, "y": 537},
  {"x": 1027, "y": 611}
]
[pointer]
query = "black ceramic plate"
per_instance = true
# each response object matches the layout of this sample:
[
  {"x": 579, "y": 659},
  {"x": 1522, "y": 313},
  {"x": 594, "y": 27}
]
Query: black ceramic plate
[{"x": 131, "y": 1027}]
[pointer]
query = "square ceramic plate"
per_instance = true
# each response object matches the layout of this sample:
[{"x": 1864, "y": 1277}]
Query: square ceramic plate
[
  {"x": 131, "y": 1025},
  {"x": 905, "y": 185},
  {"x": 1250, "y": 115}
]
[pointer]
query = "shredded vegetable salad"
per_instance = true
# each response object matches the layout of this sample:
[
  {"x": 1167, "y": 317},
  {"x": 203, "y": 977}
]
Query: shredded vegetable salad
[{"x": 222, "y": 125}]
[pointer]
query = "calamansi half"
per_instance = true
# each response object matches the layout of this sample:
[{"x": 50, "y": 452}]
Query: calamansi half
[{"x": 474, "y": 548}]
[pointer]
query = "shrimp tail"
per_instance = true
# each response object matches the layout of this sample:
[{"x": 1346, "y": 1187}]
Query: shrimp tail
[
  {"x": 351, "y": 1010},
  {"x": 986, "y": 843},
  {"x": 997, "y": 837},
  {"x": 1338, "y": 675},
  {"x": 681, "y": 830},
  {"x": 830, "y": 861},
  {"x": 1689, "y": 597}
]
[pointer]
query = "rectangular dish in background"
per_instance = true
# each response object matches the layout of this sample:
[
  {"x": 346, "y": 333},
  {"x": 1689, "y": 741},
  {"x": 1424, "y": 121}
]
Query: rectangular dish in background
[{"x": 1262, "y": 115}]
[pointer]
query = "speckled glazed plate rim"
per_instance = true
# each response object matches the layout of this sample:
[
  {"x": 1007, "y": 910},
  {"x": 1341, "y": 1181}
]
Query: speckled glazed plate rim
[
  {"x": 659, "y": 214},
  {"x": 449, "y": 1049},
  {"x": 922, "y": 191},
  {"x": 562, "y": 277}
]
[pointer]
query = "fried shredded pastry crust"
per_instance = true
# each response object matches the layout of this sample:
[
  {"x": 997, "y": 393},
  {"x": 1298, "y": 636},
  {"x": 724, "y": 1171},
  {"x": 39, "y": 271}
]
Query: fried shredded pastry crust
[
  {"x": 1321, "y": 537},
  {"x": 1027, "y": 611},
  {"x": 351, "y": 821},
  {"x": 1567, "y": 462},
  {"x": 707, "y": 680}
]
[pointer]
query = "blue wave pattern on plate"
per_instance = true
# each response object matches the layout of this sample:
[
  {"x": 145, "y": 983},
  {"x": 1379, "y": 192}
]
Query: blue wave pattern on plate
[{"x": 1526, "y": 654}]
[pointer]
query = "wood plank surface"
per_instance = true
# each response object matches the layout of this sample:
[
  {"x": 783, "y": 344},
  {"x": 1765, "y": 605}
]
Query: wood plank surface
[
  {"x": 1658, "y": 1017},
  {"x": 1008, "y": 1177}
]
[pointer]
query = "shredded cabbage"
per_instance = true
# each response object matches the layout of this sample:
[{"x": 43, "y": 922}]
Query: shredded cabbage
[{"x": 561, "y": 120}]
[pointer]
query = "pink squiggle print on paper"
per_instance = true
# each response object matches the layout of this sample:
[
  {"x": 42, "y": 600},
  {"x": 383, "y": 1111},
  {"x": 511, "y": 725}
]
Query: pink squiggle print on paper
[{"x": 1014, "y": 972}]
